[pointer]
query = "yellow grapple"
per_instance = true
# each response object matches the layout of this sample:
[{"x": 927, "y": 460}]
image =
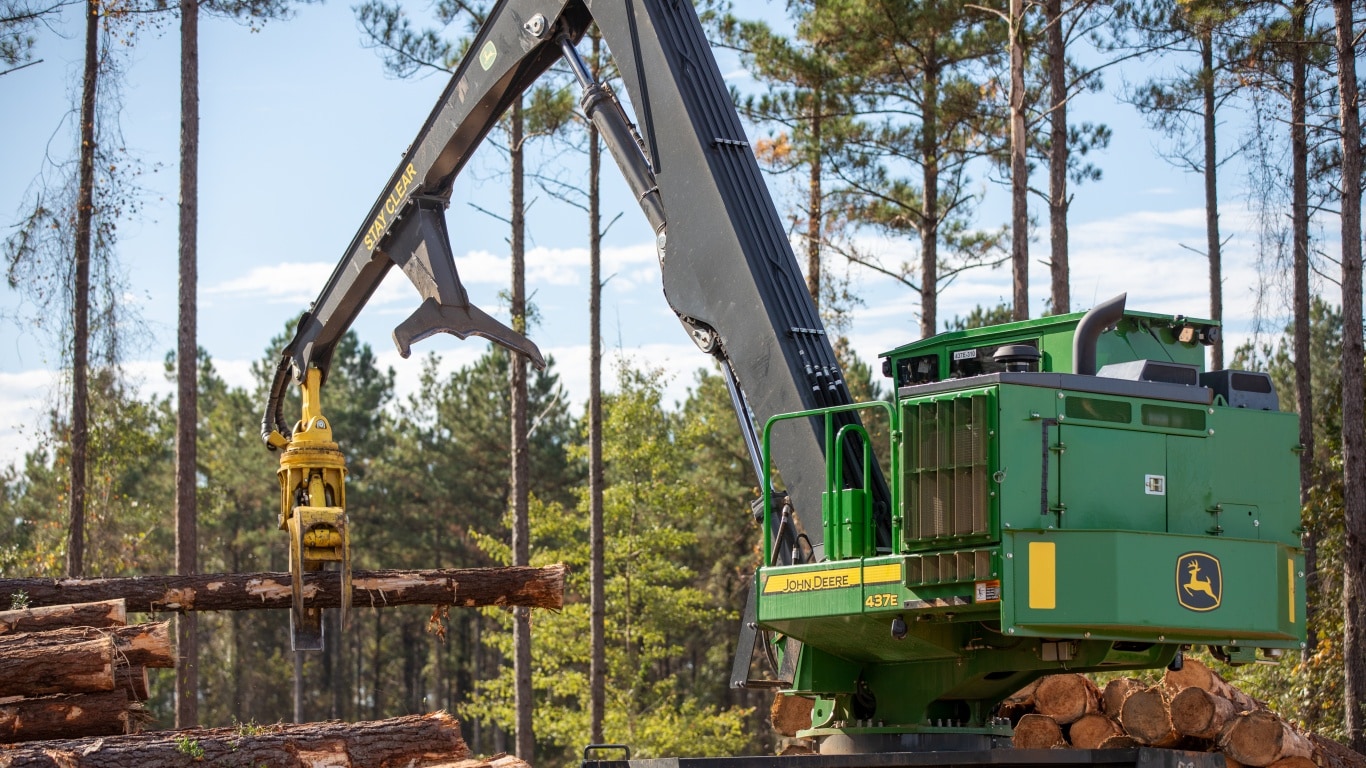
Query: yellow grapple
[{"x": 313, "y": 510}]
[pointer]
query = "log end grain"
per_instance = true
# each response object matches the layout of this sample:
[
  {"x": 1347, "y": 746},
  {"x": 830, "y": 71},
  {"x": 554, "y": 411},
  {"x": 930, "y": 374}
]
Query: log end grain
[
  {"x": 1146, "y": 717},
  {"x": 1037, "y": 731},
  {"x": 1066, "y": 698},
  {"x": 790, "y": 714},
  {"x": 1116, "y": 691},
  {"x": 1090, "y": 731}
]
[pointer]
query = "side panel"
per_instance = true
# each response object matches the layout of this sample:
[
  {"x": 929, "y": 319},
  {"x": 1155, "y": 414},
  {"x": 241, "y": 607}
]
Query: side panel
[{"x": 1151, "y": 587}]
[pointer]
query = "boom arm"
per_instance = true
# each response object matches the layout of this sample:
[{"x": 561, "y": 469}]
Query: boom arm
[{"x": 728, "y": 269}]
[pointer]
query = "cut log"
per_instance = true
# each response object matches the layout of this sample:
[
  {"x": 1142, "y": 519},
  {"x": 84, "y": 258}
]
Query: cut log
[
  {"x": 500, "y": 760},
  {"x": 1119, "y": 742},
  {"x": 1194, "y": 674},
  {"x": 415, "y": 740},
  {"x": 1146, "y": 717},
  {"x": 1019, "y": 704},
  {"x": 133, "y": 681},
  {"x": 1294, "y": 762},
  {"x": 142, "y": 645},
  {"x": 790, "y": 714},
  {"x": 1066, "y": 698},
  {"x": 39, "y": 664},
  {"x": 465, "y": 587},
  {"x": 1037, "y": 731},
  {"x": 1331, "y": 754},
  {"x": 1260, "y": 738},
  {"x": 106, "y": 613},
  {"x": 1090, "y": 731},
  {"x": 1116, "y": 691},
  {"x": 62, "y": 717},
  {"x": 1199, "y": 713}
]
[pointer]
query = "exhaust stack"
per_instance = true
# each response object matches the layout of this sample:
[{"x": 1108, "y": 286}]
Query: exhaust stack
[{"x": 1088, "y": 332}]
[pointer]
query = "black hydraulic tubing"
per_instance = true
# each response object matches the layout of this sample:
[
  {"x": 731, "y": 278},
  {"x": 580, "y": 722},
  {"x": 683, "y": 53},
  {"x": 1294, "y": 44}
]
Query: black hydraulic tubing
[
  {"x": 274, "y": 416},
  {"x": 744, "y": 415},
  {"x": 606, "y": 113}
]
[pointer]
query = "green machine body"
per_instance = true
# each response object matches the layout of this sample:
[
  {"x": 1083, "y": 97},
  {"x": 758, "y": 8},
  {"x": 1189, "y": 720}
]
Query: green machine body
[{"x": 1070, "y": 494}]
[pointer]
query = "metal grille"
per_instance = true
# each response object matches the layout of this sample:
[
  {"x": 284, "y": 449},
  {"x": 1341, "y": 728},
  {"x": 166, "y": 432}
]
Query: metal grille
[{"x": 946, "y": 471}]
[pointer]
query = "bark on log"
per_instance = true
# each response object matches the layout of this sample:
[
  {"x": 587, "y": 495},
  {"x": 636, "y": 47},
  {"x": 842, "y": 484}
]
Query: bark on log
[
  {"x": 38, "y": 664},
  {"x": 1116, "y": 691},
  {"x": 1120, "y": 742},
  {"x": 1146, "y": 717},
  {"x": 1194, "y": 674},
  {"x": 464, "y": 587},
  {"x": 1331, "y": 754},
  {"x": 790, "y": 714},
  {"x": 1260, "y": 738},
  {"x": 63, "y": 717},
  {"x": 142, "y": 645},
  {"x": 1037, "y": 731},
  {"x": 1199, "y": 713},
  {"x": 1019, "y": 704},
  {"x": 106, "y": 613},
  {"x": 1090, "y": 731},
  {"x": 501, "y": 760},
  {"x": 416, "y": 740},
  {"x": 133, "y": 681},
  {"x": 1294, "y": 762},
  {"x": 1066, "y": 698}
]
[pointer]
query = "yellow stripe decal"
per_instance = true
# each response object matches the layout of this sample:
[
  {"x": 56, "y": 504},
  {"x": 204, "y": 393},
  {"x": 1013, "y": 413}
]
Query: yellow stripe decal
[
  {"x": 810, "y": 581},
  {"x": 882, "y": 574},
  {"x": 1290, "y": 574},
  {"x": 1043, "y": 575}
]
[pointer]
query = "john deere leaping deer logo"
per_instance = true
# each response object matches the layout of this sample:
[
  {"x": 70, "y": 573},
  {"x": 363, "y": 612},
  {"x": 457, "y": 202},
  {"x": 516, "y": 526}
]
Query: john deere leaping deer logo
[{"x": 1199, "y": 581}]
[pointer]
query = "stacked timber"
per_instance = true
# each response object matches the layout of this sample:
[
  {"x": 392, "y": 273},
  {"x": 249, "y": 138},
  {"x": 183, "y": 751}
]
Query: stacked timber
[
  {"x": 1191, "y": 709},
  {"x": 419, "y": 741},
  {"x": 76, "y": 670}
]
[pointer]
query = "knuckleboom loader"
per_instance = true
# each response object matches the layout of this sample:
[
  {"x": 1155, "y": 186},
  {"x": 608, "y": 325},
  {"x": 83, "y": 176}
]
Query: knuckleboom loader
[{"x": 1071, "y": 493}]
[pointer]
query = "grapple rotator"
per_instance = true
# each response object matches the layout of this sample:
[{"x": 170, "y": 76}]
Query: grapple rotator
[{"x": 313, "y": 510}]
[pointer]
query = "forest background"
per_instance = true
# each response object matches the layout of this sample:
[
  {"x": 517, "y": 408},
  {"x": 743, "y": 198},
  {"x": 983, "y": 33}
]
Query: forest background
[{"x": 850, "y": 142}]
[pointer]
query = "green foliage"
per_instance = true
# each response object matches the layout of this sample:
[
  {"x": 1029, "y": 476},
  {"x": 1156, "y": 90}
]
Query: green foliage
[
  {"x": 187, "y": 745},
  {"x": 655, "y": 602},
  {"x": 1308, "y": 688},
  {"x": 18, "y": 601},
  {"x": 981, "y": 317}
]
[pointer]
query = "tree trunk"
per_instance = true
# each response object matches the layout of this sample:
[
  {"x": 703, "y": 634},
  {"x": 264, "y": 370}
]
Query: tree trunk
[
  {"x": 1353, "y": 418},
  {"x": 106, "y": 613},
  {"x": 417, "y": 740},
  {"x": 1145, "y": 716},
  {"x": 1199, "y": 713},
  {"x": 1116, "y": 691},
  {"x": 1299, "y": 222},
  {"x": 929, "y": 206},
  {"x": 521, "y": 471},
  {"x": 187, "y": 368},
  {"x": 465, "y": 587},
  {"x": 1038, "y": 732},
  {"x": 38, "y": 664},
  {"x": 1119, "y": 742},
  {"x": 1261, "y": 738},
  {"x": 80, "y": 330},
  {"x": 597, "y": 672},
  {"x": 1216, "y": 281},
  {"x": 813, "y": 217},
  {"x": 69, "y": 716},
  {"x": 1093, "y": 730},
  {"x": 1066, "y": 698},
  {"x": 1058, "y": 151},
  {"x": 1019, "y": 168}
]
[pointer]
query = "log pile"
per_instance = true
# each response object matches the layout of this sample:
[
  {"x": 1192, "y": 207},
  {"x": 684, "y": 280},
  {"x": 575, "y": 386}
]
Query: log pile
[
  {"x": 420, "y": 741},
  {"x": 76, "y": 670},
  {"x": 1191, "y": 709}
]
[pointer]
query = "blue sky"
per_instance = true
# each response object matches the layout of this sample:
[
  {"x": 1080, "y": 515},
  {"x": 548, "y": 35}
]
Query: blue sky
[{"x": 300, "y": 129}]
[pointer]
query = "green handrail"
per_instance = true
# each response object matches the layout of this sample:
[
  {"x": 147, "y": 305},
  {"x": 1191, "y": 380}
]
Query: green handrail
[{"x": 832, "y": 479}]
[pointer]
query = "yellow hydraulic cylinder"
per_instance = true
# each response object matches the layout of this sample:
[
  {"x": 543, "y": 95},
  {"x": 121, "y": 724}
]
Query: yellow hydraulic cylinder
[{"x": 313, "y": 510}]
